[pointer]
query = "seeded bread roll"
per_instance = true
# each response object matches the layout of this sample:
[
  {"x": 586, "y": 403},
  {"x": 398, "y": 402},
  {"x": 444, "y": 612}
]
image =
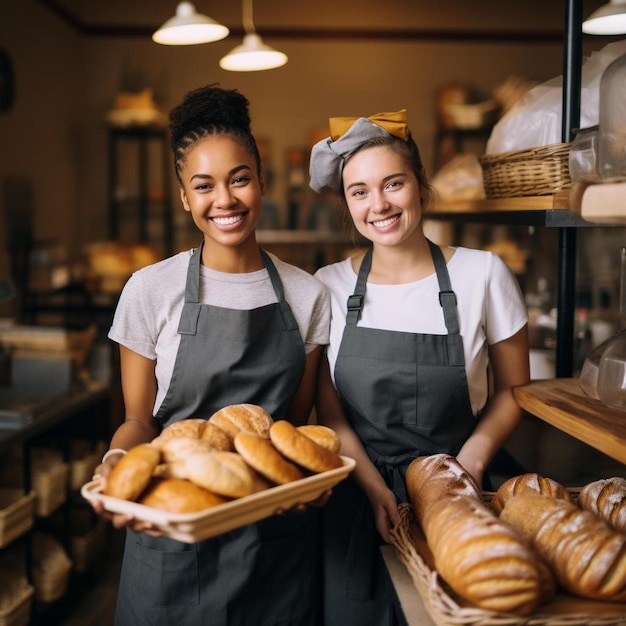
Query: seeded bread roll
[
  {"x": 216, "y": 437},
  {"x": 529, "y": 483},
  {"x": 322, "y": 435},
  {"x": 302, "y": 450},
  {"x": 179, "y": 496},
  {"x": 606, "y": 498},
  {"x": 262, "y": 456},
  {"x": 236, "y": 417},
  {"x": 132, "y": 473},
  {"x": 587, "y": 557},
  {"x": 480, "y": 557}
]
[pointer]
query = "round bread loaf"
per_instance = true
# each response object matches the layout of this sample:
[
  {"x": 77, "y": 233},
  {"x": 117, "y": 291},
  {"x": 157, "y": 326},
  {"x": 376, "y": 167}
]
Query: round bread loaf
[
  {"x": 181, "y": 448},
  {"x": 132, "y": 473},
  {"x": 178, "y": 469},
  {"x": 302, "y": 450},
  {"x": 528, "y": 484},
  {"x": 179, "y": 496},
  {"x": 184, "y": 428},
  {"x": 249, "y": 417},
  {"x": 322, "y": 435},
  {"x": 224, "y": 473},
  {"x": 262, "y": 456}
]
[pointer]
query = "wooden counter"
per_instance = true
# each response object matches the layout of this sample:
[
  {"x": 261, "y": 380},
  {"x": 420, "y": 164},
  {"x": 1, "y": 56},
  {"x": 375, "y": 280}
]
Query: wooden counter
[{"x": 562, "y": 403}]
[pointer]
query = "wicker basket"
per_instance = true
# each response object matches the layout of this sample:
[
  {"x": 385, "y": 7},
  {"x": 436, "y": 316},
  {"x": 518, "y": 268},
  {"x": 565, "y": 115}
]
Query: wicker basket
[
  {"x": 19, "y": 613},
  {"x": 17, "y": 513},
  {"x": 538, "y": 171},
  {"x": 51, "y": 489},
  {"x": 51, "y": 568},
  {"x": 446, "y": 609},
  {"x": 88, "y": 539}
]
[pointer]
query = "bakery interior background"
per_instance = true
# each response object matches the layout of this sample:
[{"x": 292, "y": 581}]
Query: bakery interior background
[{"x": 72, "y": 58}]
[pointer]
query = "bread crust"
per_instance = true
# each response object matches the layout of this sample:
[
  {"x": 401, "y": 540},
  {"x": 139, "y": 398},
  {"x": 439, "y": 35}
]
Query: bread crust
[
  {"x": 262, "y": 456},
  {"x": 529, "y": 483},
  {"x": 132, "y": 473},
  {"x": 482, "y": 559},
  {"x": 195, "y": 428},
  {"x": 249, "y": 417},
  {"x": 224, "y": 473},
  {"x": 322, "y": 435},
  {"x": 588, "y": 557},
  {"x": 606, "y": 498},
  {"x": 179, "y": 496},
  {"x": 176, "y": 449},
  {"x": 301, "y": 449}
]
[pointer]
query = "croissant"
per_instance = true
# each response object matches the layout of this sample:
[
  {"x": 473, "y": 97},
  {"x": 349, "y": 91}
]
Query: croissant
[
  {"x": 479, "y": 556},
  {"x": 606, "y": 498},
  {"x": 529, "y": 483},
  {"x": 587, "y": 557}
]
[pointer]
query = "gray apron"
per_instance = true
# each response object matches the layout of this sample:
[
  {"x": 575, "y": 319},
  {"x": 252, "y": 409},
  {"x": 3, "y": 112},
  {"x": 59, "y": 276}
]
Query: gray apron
[
  {"x": 405, "y": 395},
  {"x": 263, "y": 573}
]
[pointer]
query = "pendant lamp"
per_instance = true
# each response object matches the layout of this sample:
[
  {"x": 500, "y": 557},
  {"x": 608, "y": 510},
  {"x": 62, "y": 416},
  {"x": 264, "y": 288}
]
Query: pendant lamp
[
  {"x": 609, "y": 19},
  {"x": 188, "y": 27},
  {"x": 252, "y": 55}
]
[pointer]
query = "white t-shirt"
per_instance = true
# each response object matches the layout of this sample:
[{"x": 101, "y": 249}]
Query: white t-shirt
[
  {"x": 150, "y": 305},
  {"x": 489, "y": 301}
]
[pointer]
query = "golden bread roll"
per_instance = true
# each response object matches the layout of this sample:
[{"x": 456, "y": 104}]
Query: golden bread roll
[
  {"x": 324, "y": 436},
  {"x": 262, "y": 456},
  {"x": 177, "y": 469},
  {"x": 480, "y": 557},
  {"x": 224, "y": 473},
  {"x": 236, "y": 417},
  {"x": 179, "y": 496},
  {"x": 606, "y": 498},
  {"x": 184, "y": 428},
  {"x": 529, "y": 483},
  {"x": 216, "y": 437},
  {"x": 181, "y": 448},
  {"x": 132, "y": 473},
  {"x": 587, "y": 557},
  {"x": 301, "y": 449}
]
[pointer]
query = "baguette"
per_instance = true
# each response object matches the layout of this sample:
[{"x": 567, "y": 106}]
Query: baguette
[
  {"x": 529, "y": 483},
  {"x": 479, "y": 556},
  {"x": 606, "y": 498},
  {"x": 587, "y": 557}
]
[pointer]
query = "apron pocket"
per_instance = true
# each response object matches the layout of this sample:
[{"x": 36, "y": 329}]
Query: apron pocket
[{"x": 162, "y": 578}]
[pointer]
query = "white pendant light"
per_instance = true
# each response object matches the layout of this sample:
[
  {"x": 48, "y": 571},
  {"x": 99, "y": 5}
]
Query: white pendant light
[
  {"x": 252, "y": 55},
  {"x": 188, "y": 27},
  {"x": 609, "y": 19}
]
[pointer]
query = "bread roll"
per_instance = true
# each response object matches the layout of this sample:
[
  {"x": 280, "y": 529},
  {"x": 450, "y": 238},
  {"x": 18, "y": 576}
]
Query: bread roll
[
  {"x": 236, "y": 417},
  {"x": 606, "y": 498},
  {"x": 216, "y": 437},
  {"x": 224, "y": 473},
  {"x": 529, "y": 483},
  {"x": 132, "y": 473},
  {"x": 195, "y": 428},
  {"x": 176, "y": 449},
  {"x": 179, "y": 496},
  {"x": 302, "y": 450},
  {"x": 587, "y": 557},
  {"x": 262, "y": 456},
  {"x": 479, "y": 556},
  {"x": 322, "y": 435}
]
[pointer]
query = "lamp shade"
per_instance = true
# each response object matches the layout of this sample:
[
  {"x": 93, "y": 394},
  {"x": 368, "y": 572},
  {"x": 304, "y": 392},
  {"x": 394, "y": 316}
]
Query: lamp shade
[
  {"x": 252, "y": 55},
  {"x": 609, "y": 19},
  {"x": 188, "y": 27}
]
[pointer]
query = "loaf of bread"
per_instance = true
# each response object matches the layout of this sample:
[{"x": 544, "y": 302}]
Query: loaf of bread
[
  {"x": 587, "y": 556},
  {"x": 322, "y": 435},
  {"x": 606, "y": 498},
  {"x": 195, "y": 428},
  {"x": 132, "y": 473},
  {"x": 301, "y": 449},
  {"x": 529, "y": 483},
  {"x": 179, "y": 496},
  {"x": 248, "y": 417},
  {"x": 479, "y": 556}
]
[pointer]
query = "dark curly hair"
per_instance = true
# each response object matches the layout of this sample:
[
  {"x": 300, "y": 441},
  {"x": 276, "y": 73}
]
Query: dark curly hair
[{"x": 210, "y": 110}]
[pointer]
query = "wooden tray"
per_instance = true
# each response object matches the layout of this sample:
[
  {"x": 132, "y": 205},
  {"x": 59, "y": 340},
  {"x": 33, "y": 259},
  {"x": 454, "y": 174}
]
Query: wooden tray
[
  {"x": 447, "y": 609},
  {"x": 192, "y": 527}
]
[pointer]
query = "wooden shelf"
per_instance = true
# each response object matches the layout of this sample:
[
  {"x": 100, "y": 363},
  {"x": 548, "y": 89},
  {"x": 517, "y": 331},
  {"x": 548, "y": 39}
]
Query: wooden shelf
[
  {"x": 553, "y": 210},
  {"x": 562, "y": 403}
]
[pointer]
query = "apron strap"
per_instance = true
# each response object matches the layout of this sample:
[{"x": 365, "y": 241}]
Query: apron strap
[
  {"x": 447, "y": 297},
  {"x": 191, "y": 310},
  {"x": 285, "y": 310},
  {"x": 355, "y": 301}
]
